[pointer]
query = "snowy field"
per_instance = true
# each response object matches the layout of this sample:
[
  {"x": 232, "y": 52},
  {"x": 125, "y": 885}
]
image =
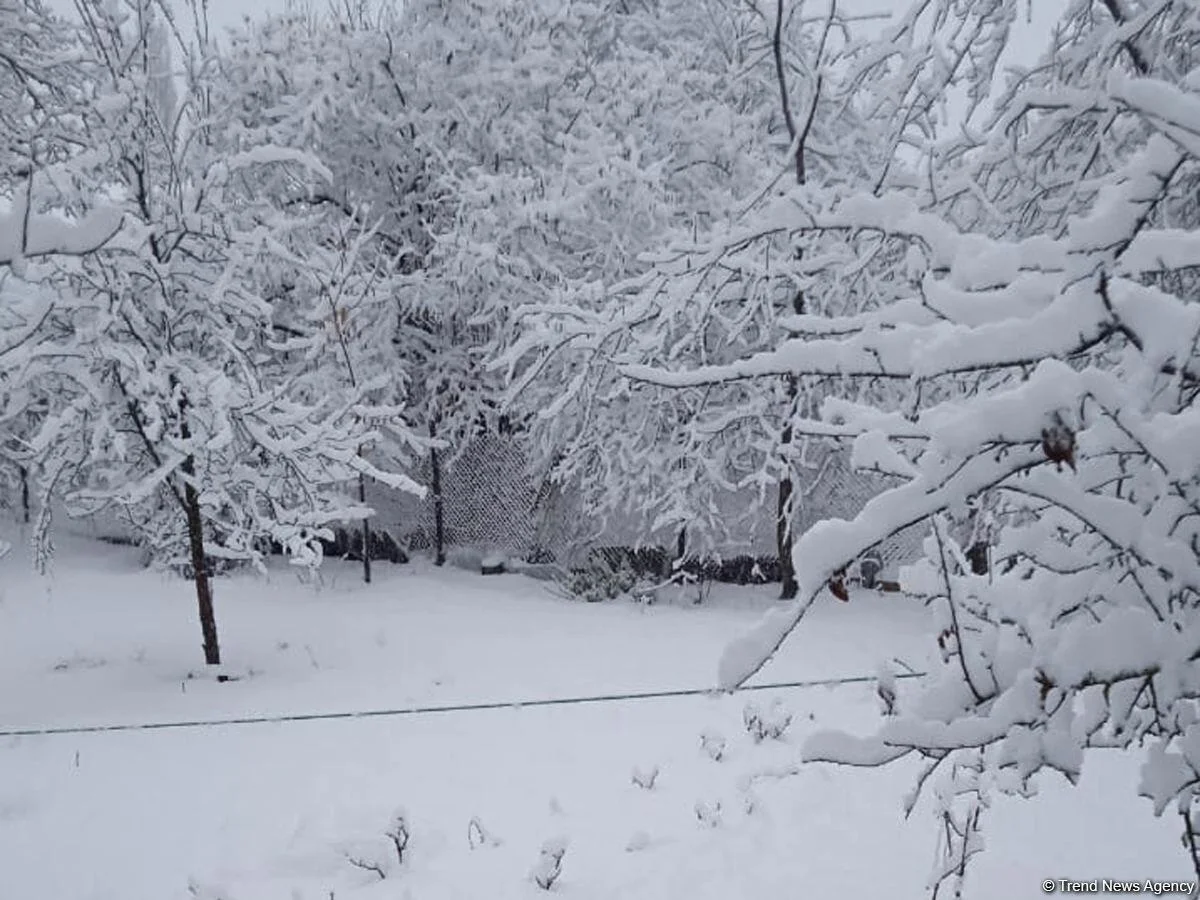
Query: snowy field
[{"x": 259, "y": 812}]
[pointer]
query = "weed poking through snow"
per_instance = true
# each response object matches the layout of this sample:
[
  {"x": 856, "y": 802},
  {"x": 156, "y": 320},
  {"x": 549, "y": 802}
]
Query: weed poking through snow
[
  {"x": 713, "y": 744},
  {"x": 709, "y": 813},
  {"x": 478, "y": 836},
  {"x": 773, "y": 723},
  {"x": 644, "y": 778},
  {"x": 885, "y": 691},
  {"x": 399, "y": 834},
  {"x": 367, "y": 865},
  {"x": 549, "y": 864},
  {"x": 749, "y": 802}
]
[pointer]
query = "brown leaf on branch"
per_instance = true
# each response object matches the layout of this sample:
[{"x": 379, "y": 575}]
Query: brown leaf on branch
[
  {"x": 1058, "y": 443},
  {"x": 837, "y": 585}
]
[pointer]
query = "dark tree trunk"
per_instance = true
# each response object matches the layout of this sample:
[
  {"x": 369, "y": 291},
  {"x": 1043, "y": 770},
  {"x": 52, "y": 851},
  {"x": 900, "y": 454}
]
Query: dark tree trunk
[
  {"x": 787, "y": 490},
  {"x": 439, "y": 521},
  {"x": 195, "y": 525},
  {"x": 798, "y": 132},
  {"x": 366, "y": 530},
  {"x": 783, "y": 540},
  {"x": 676, "y": 564},
  {"x": 25, "y": 494}
]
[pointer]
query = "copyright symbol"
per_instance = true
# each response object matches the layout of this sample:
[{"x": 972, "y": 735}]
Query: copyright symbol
[{"x": 1048, "y": 886}]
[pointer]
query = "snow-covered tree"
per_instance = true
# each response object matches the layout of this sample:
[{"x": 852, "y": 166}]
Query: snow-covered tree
[
  {"x": 348, "y": 337},
  {"x": 180, "y": 404},
  {"x": 333, "y": 84},
  {"x": 683, "y": 121},
  {"x": 507, "y": 157},
  {"x": 788, "y": 94},
  {"x": 404, "y": 124},
  {"x": 51, "y": 205},
  {"x": 1040, "y": 356}
]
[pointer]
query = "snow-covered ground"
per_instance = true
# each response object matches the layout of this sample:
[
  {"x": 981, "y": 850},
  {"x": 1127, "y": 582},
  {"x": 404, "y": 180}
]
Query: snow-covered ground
[{"x": 266, "y": 811}]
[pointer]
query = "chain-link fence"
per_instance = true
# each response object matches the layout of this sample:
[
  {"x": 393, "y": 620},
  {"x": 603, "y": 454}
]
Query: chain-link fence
[
  {"x": 839, "y": 491},
  {"x": 490, "y": 502}
]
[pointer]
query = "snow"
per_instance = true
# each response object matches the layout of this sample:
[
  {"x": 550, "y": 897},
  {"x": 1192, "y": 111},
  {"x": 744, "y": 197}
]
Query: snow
[
  {"x": 46, "y": 235},
  {"x": 1076, "y": 318},
  {"x": 873, "y": 450},
  {"x": 276, "y": 811},
  {"x": 268, "y": 155},
  {"x": 1176, "y": 112},
  {"x": 1005, "y": 315}
]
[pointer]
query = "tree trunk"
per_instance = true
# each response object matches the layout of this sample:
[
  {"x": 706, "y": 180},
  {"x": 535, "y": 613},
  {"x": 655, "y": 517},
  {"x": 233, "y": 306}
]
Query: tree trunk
[
  {"x": 366, "y": 530},
  {"x": 25, "y": 494},
  {"x": 783, "y": 540},
  {"x": 675, "y": 565},
  {"x": 439, "y": 521},
  {"x": 799, "y": 134},
  {"x": 787, "y": 490},
  {"x": 195, "y": 525}
]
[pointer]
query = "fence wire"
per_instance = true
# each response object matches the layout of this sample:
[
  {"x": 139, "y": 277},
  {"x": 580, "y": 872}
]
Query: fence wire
[{"x": 399, "y": 712}]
